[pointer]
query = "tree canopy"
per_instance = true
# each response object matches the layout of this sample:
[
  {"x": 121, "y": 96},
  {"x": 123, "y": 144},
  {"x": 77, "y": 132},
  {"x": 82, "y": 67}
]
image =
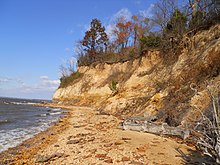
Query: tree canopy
[
  {"x": 95, "y": 39},
  {"x": 131, "y": 37}
]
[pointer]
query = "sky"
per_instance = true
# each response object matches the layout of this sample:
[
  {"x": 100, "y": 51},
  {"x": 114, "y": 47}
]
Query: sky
[{"x": 37, "y": 36}]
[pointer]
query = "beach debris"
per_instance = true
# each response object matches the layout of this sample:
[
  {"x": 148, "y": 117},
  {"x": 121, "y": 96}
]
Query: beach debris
[
  {"x": 70, "y": 137},
  {"x": 125, "y": 159},
  {"x": 73, "y": 141},
  {"x": 101, "y": 156},
  {"x": 92, "y": 151},
  {"x": 91, "y": 139},
  {"x": 101, "y": 112},
  {"x": 108, "y": 160},
  {"x": 46, "y": 158},
  {"x": 142, "y": 148},
  {"x": 108, "y": 145},
  {"x": 136, "y": 163},
  {"x": 148, "y": 124},
  {"x": 125, "y": 138},
  {"x": 118, "y": 143}
]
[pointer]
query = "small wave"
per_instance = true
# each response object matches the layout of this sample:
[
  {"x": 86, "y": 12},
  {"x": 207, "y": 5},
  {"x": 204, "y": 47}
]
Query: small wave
[
  {"x": 21, "y": 103},
  {"x": 17, "y": 103},
  {"x": 43, "y": 115},
  {"x": 30, "y": 103},
  {"x": 12, "y": 138},
  {"x": 3, "y": 102},
  {"x": 15, "y": 137},
  {"x": 48, "y": 114},
  {"x": 55, "y": 113},
  {"x": 56, "y": 109}
]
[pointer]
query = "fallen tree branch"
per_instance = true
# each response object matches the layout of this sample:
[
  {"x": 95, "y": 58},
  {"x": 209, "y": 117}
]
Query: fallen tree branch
[{"x": 142, "y": 124}]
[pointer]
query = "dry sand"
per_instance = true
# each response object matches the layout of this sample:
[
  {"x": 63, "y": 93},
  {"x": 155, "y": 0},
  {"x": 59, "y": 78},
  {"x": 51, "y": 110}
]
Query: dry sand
[{"x": 86, "y": 137}]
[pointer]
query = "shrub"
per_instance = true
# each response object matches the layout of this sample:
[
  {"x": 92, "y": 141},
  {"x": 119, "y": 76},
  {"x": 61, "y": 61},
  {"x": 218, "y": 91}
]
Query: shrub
[
  {"x": 113, "y": 86},
  {"x": 196, "y": 20},
  {"x": 84, "y": 60},
  {"x": 126, "y": 54},
  {"x": 151, "y": 41},
  {"x": 66, "y": 81},
  {"x": 109, "y": 57}
]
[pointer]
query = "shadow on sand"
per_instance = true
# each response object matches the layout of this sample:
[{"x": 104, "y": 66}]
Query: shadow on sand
[{"x": 195, "y": 158}]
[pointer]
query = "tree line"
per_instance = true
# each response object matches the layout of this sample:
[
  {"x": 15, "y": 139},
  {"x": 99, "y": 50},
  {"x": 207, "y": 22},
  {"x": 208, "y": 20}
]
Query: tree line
[{"x": 132, "y": 37}]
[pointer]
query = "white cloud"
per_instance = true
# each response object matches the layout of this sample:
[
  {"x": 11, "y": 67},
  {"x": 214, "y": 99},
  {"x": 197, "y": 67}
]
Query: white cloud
[
  {"x": 4, "y": 80},
  {"x": 15, "y": 87},
  {"x": 109, "y": 30},
  {"x": 45, "y": 82},
  {"x": 124, "y": 12},
  {"x": 110, "y": 27},
  {"x": 43, "y": 77},
  {"x": 49, "y": 83},
  {"x": 148, "y": 12}
]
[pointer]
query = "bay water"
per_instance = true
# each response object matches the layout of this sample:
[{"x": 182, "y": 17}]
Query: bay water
[{"x": 20, "y": 120}]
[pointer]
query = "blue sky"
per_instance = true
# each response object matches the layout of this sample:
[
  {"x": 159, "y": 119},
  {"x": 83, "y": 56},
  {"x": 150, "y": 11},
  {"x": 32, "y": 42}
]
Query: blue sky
[{"x": 37, "y": 36}]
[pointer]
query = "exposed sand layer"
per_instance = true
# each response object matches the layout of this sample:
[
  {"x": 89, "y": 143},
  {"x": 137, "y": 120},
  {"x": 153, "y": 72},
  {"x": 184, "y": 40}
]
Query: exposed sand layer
[{"x": 87, "y": 137}]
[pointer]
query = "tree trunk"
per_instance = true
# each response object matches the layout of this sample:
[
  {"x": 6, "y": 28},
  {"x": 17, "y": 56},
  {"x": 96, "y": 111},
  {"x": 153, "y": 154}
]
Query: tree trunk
[{"x": 143, "y": 125}]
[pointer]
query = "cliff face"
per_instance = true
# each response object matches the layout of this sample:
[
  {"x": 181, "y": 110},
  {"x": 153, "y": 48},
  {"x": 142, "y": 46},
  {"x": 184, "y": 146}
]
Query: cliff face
[{"x": 172, "y": 85}]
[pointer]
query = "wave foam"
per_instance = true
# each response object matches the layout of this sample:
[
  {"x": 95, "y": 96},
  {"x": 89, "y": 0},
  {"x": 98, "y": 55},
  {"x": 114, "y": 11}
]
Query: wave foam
[{"x": 12, "y": 138}]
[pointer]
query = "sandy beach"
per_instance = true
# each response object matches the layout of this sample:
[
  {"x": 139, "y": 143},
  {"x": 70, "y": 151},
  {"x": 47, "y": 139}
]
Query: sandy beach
[{"x": 83, "y": 136}]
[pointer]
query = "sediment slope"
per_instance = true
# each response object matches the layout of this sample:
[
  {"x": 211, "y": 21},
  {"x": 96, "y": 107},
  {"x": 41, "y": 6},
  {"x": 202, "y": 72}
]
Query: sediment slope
[{"x": 171, "y": 85}]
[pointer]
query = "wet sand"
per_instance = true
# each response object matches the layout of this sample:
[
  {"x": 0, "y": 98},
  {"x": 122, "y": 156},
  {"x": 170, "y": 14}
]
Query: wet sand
[{"x": 83, "y": 136}]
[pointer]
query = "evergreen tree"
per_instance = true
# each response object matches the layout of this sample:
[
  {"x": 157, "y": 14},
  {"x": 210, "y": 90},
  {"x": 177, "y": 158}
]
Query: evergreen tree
[
  {"x": 95, "y": 39},
  {"x": 177, "y": 24},
  {"x": 196, "y": 20}
]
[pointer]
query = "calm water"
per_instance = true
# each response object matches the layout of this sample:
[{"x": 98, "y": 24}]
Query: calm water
[{"x": 19, "y": 120}]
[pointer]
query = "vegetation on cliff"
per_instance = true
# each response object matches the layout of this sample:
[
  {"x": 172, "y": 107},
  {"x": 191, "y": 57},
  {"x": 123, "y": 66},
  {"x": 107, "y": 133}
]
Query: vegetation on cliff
[
  {"x": 131, "y": 38},
  {"x": 68, "y": 80}
]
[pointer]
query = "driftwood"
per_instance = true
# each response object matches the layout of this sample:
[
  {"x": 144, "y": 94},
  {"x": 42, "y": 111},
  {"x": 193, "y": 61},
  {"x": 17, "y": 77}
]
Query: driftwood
[
  {"x": 144, "y": 124},
  {"x": 208, "y": 129}
]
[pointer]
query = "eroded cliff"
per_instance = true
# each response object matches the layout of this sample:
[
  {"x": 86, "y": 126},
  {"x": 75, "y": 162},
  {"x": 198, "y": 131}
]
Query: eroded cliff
[{"x": 171, "y": 85}]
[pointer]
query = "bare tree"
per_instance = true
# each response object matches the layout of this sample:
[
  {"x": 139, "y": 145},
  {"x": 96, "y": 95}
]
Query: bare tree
[
  {"x": 203, "y": 6},
  {"x": 141, "y": 28},
  {"x": 63, "y": 71},
  {"x": 68, "y": 68},
  {"x": 163, "y": 11},
  {"x": 78, "y": 49}
]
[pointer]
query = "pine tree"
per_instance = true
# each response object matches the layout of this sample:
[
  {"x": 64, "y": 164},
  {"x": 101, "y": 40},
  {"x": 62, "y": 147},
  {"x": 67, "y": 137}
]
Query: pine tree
[{"x": 95, "y": 39}]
